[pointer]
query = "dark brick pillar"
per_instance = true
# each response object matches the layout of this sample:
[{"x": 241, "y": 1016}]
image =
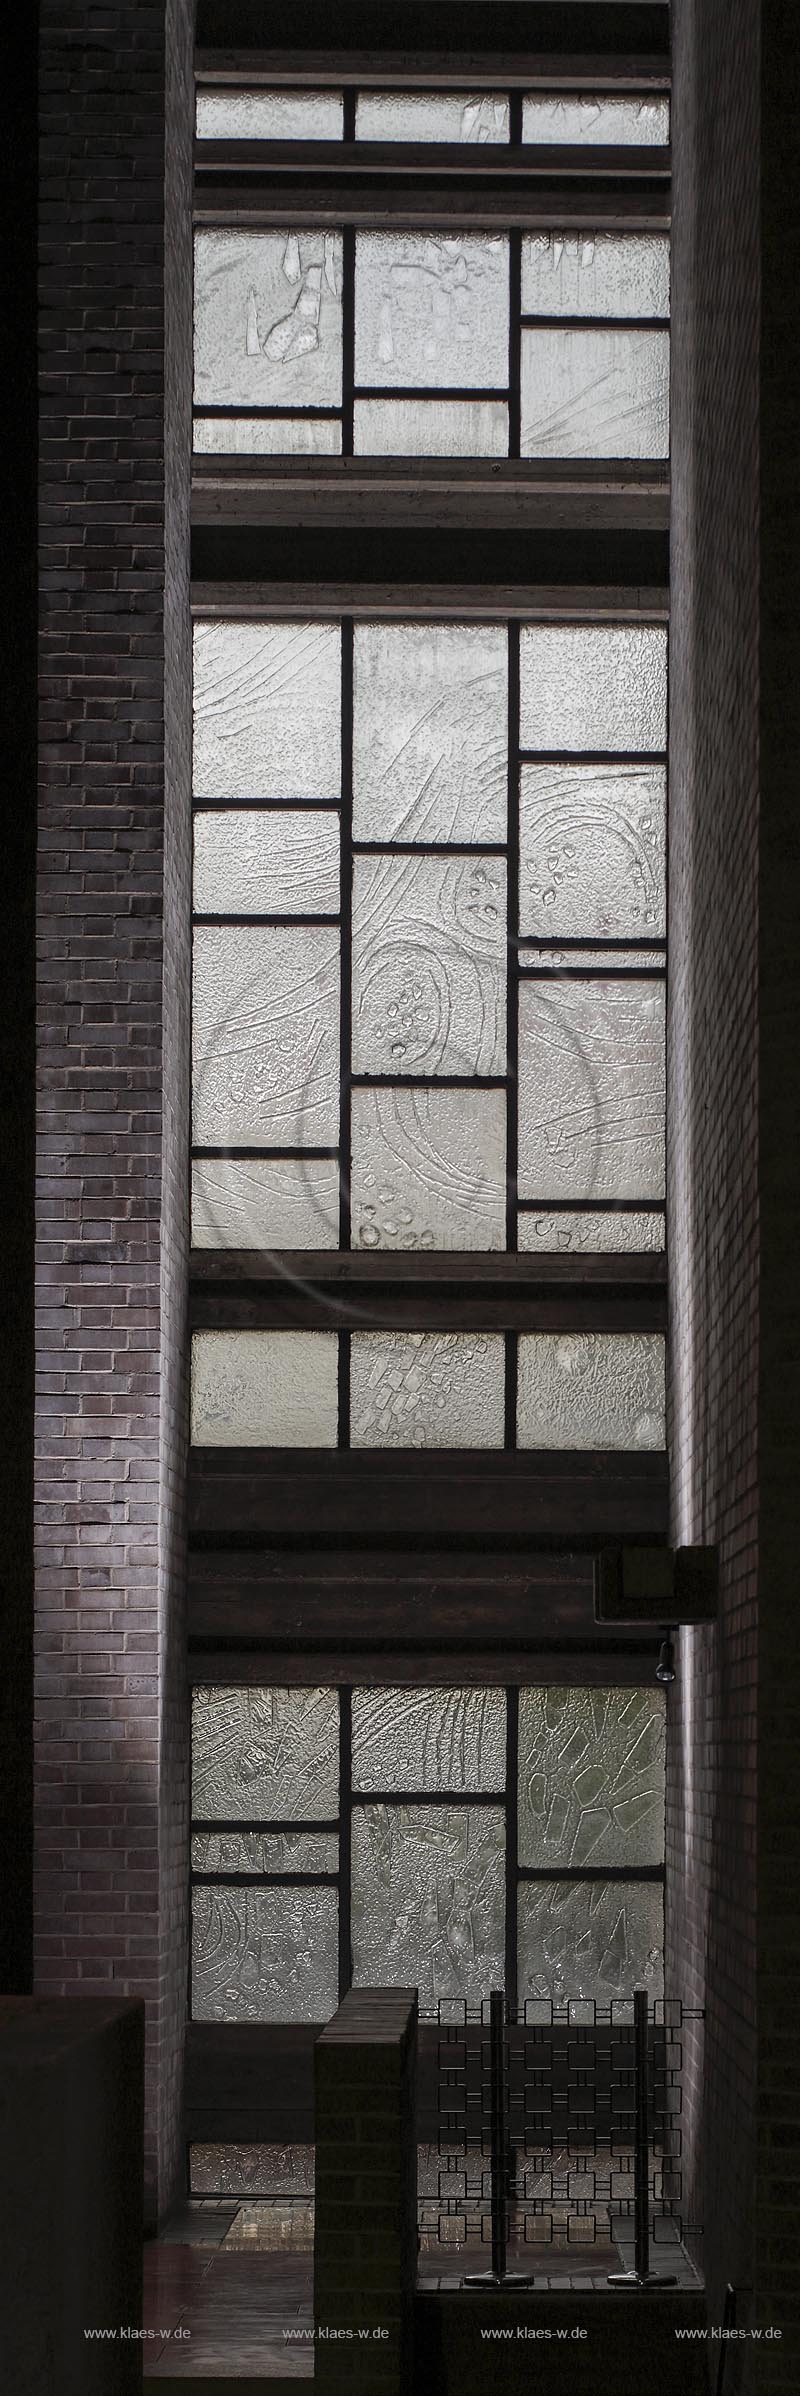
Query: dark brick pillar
[
  {"x": 111, "y": 1796},
  {"x": 365, "y": 2233}
]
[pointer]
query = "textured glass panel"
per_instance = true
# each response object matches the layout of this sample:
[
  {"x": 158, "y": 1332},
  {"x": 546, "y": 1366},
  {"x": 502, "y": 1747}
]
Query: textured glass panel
[
  {"x": 265, "y": 1755},
  {"x": 594, "y": 394},
  {"x": 252, "y": 2170},
  {"x": 264, "y": 1852},
  {"x": 595, "y": 274},
  {"x": 269, "y": 436},
  {"x": 429, "y": 1739},
  {"x": 591, "y": 1089},
  {"x": 593, "y": 686},
  {"x": 430, "y": 732},
  {"x": 269, "y": 116},
  {"x": 267, "y": 711},
  {"x": 428, "y": 1899},
  {"x": 591, "y": 1776},
  {"x": 266, "y": 862},
  {"x": 592, "y": 855},
  {"x": 431, "y": 428},
  {"x": 265, "y": 1202},
  {"x": 429, "y": 965},
  {"x": 264, "y": 1389},
  {"x": 431, "y": 116},
  {"x": 621, "y": 122},
  {"x": 591, "y": 1389},
  {"x": 589, "y": 1234},
  {"x": 431, "y": 309},
  {"x": 264, "y": 1955},
  {"x": 539, "y": 957},
  {"x": 427, "y": 1389},
  {"x": 590, "y": 1939},
  {"x": 268, "y": 319},
  {"x": 428, "y": 1169},
  {"x": 265, "y": 1025}
]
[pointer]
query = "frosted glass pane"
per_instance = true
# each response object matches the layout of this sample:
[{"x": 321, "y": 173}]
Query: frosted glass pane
[
  {"x": 595, "y": 274},
  {"x": 593, "y": 686},
  {"x": 267, "y": 711},
  {"x": 431, "y": 116},
  {"x": 252, "y": 2170},
  {"x": 268, "y": 319},
  {"x": 591, "y": 1089},
  {"x": 427, "y": 1389},
  {"x": 264, "y": 1389},
  {"x": 269, "y": 436},
  {"x": 265, "y": 1202},
  {"x": 261, "y": 1851},
  {"x": 592, "y": 856},
  {"x": 591, "y": 1389},
  {"x": 431, "y": 428},
  {"x": 429, "y": 965},
  {"x": 431, "y": 309},
  {"x": 270, "y": 862},
  {"x": 269, "y": 116},
  {"x": 591, "y": 1776},
  {"x": 265, "y": 1755},
  {"x": 590, "y": 1939},
  {"x": 430, "y": 732},
  {"x": 622, "y": 122},
  {"x": 266, "y": 1036},
  {"x": 264, "y": 1955},
  {"x": 428, "y": 1169},
  {"x": 541, "y": 957},
  {"x": 429, "y": 1739},
  {"x": 428, "y": 1899},
  {"x": 594, "y": 394},
  {"x": 589, "y": 1234}
]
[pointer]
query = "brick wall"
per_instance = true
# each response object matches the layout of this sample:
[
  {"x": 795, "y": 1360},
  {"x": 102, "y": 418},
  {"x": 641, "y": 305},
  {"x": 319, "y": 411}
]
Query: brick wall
[{"x": 111, "y": 1812}]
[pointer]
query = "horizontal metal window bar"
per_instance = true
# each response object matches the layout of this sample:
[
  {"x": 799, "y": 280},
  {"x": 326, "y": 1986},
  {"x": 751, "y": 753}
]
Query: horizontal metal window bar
[
  {"x": 596, "y": 324},
  {"x": 234, "y": 408},
  {"x": 264, "y": 1880},
  {"x": 399, "y": 70},
  {"x": 299, "y": 1156},
  {"x": 431, "y": 391},
  {"x": 229, "y": 197},
  {"x": 452, "y": 1081},
  {"x": 201, "y": 1828},
  {"x": 261, "y": 806},
  {"x": 610, "y": 757},
  {"x": 595, "y": 1206},
  {"x": 432, "y": 848},
  {"x": 429, "y": 1797},
  {"x": 577, "y": 947},
  {"x": 574, "y": 971},
  {"x": 649, "y": 1872},
  {"x": 238, "y": 602},
  {"x": 494, "y": 161},
  {"x": 271, "y": 922}
]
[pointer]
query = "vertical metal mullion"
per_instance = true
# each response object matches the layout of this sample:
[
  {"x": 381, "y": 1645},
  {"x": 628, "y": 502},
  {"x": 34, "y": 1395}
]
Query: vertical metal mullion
[
  {"x": 515, "y": 119},
  {"x": 512, "y": 1005},
  {"x": 345, "y": 1838},
  {"x": 514, "y": 340},
  {"x": 348, "y": 335},
  {"x": 345, "y": 998},
  {"x": 512, "y": 1847}
]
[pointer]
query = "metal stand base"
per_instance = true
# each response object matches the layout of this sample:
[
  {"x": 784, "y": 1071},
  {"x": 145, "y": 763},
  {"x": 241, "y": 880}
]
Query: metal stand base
[
  {"x": 501, "y": 2280},
  {"x": 638, "y": 2279}
]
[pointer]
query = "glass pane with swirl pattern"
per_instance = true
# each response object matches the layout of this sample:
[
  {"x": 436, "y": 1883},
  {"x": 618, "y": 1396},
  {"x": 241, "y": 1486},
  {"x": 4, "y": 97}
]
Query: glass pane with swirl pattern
[
  {"x": 267, "y": 710},
  {"x": 412, "y": 1740},
  {"x": 429, "y": 965},
  {"x": 428, "y": 1169},
  {"x": 591, "y": 1088},
  {"x": 592, "y": 851},
  {"x": 430, "y": 732}
]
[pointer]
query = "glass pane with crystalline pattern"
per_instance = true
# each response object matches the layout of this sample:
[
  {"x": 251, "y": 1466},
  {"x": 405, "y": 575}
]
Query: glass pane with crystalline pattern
[
  {"x": 265, "y": 1021},
  {"x": 431, "y": 116},
  {"x": 593, "y": 1939},
  {"x": 587, "y": 1234},
  {"x": 428, "y": 1169},
  {"x": 267, "y": 711},
  {"x": 270, "y": 861},
  {"x": 429, "y": 965},
  {"x": 595, "y": 274},
  {"x": 591, "y": 1088},
  {"x": 429, "y": 1899},
  {"x": 591, "y": 1389},
  {"x": 268, "y": 436},
  {"x": 264, "y": 1389},
  {"x": 265, "y": 1755},
  {"x": 431, "y": 308},
  {"x": 592, "y": 851},
  {"x": 264, "y": 1852},
  {"x": 622, "y": 122},
  {"x": 269, "y": 116},
  {"x": 264, "y": 1955},
  {"x": 430, "y": 428},
  {"x": 254, "y": 2169},
  {"x": 431, "y": 1389},
  {"x": 430, "y": 732},
  {"x": 593, "y": 686},
  {"x": 591, "y": 1777},
  {"x": 265, "y": 1202},
  {"x": 267, "y": 319},
  {"x": 415, "y": 1740},
  {"x": 594, "y": 394}
]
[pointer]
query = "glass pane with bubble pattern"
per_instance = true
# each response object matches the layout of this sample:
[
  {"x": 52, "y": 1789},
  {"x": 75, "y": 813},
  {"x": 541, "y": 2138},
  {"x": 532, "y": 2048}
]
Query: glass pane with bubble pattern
[
  {"x": 264, "y": 1955},
  {"x": 269, "y": 116},
  {"x": 593, "y": 1939},
  {"x": 265, "y": 1021},
  {"x": 267, "y": 436},
  {"x": 266, "y": 861},
  {"x": 586, "y": 1233},
  {"x": 595, "y": 274},
  {"x": 264, "y": 1389},
  {"x": 591, "y": 1777},
  {"x": 636, "y": 121},
  {"x": 267, "y": 711},
  {"x": 430, "y": 732},
  {"x": 593, "y": 686},
  {"x": 592, "y": 851},
  {"x": 264, "y": 1852},
  {"x": 416, "y": 1740},
  {"x": 429, "y": 1899},
  {"x": 591, "y": 1088},
  {"x": 265, "y": 1202},
  {"x": 591, "y": 1389},
  {"x": 255, "y": 2169},
  {"x": 267, "y": 319},
  {"x": 428, "y": 1169},
  {"x": 432, "y": 116},
  {"x": 265, "y": 1755},
  {"x": 431, "y": 1389},
  {"x": 594, "y": 393},
  {"x": 431, "y": 428},
  {"x": 429, "y": 965},
  {"x": 431, "y": 308}
]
